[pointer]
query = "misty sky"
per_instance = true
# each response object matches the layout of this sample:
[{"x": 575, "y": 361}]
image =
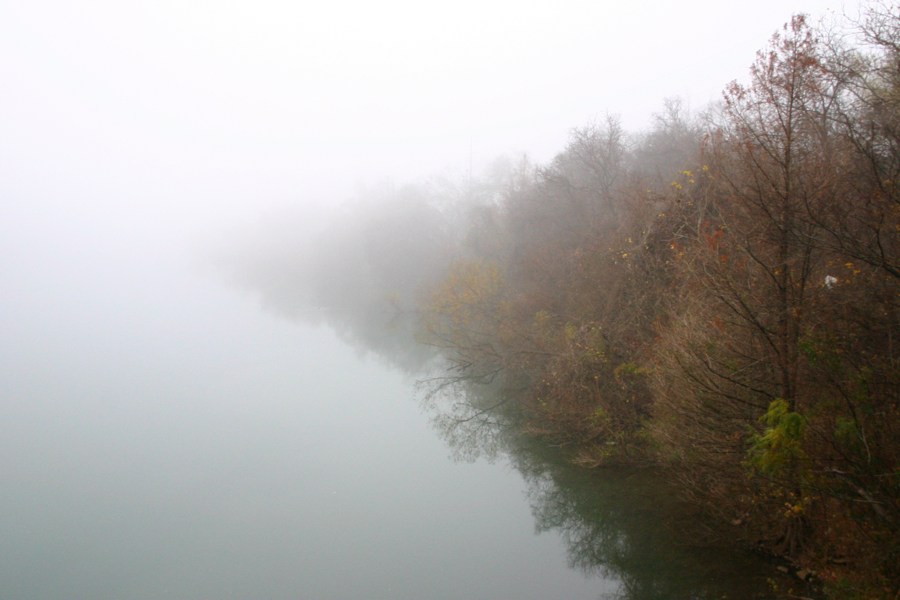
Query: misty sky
[{"x": 197, "y": 114}]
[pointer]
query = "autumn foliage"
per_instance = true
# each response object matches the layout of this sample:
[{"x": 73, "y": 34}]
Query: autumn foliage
[{"x": 718, "y": 296}]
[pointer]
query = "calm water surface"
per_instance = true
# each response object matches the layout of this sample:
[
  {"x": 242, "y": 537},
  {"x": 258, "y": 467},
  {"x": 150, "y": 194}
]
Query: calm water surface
[{"x": 164, "y": 438}]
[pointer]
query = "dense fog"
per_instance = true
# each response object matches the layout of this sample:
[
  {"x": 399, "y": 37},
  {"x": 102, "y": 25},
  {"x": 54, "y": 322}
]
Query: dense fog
[{"x": 216, "y": 220}]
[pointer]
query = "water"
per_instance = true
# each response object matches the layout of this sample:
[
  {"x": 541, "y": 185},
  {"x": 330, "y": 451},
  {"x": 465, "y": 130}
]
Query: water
[{"x": 164, "y": 438}]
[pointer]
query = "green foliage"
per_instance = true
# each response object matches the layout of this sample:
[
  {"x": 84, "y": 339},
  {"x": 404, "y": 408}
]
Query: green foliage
[
  {"x": 780, "y": 443},
  {"x": 846, "y": 433},
  {"x": 600, "y": 418},
  {"x": 629, "y": 370}
]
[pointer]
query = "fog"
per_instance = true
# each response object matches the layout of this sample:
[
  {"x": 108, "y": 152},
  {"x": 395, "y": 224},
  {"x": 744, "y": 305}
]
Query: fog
[
  {"x": 166, "y": 414},
  {"x": 203, "y": 113}
]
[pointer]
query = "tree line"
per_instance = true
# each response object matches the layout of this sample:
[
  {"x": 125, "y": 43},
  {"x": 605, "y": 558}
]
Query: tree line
[{"x": 717, "y": 296}]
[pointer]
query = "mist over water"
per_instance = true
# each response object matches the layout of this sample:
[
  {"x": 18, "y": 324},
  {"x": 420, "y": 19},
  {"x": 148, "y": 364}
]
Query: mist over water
[
  {"x": 202, "y": 393},
  {"x": 207, "y": 449},
  {"x": 166, "y": 436}
]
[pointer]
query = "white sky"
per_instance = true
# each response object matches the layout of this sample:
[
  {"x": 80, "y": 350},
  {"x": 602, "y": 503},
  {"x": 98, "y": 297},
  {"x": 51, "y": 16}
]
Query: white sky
[{"x": 204, "y": 112}]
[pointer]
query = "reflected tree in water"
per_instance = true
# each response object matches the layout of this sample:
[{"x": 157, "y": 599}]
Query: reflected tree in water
[
  {"x": 475, "y": 420},
  {"x": 628, "y": 526}
]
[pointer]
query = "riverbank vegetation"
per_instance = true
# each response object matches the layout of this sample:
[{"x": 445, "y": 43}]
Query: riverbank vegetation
[
  {"x": 719, "y": 296},
  {"x": 716, "y": 297}
]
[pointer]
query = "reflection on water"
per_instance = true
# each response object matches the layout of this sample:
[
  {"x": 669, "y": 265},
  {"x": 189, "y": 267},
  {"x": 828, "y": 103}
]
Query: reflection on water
[
  {"x": 624, "y": 525},
  {"x": 625, "y": 535},
  {"x": 627, "y": 525},
  {"x": 621, "y": 525}
]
